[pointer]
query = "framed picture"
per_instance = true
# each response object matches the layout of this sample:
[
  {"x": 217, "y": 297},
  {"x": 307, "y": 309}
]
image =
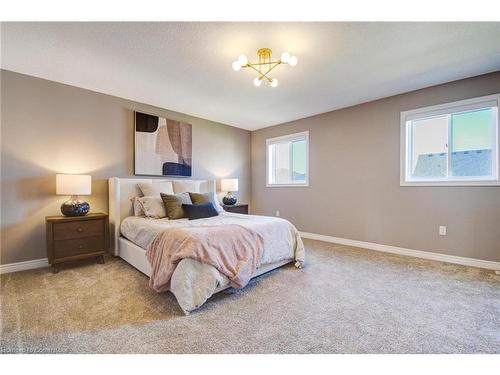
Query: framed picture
[{"x": 163, "y": 147}]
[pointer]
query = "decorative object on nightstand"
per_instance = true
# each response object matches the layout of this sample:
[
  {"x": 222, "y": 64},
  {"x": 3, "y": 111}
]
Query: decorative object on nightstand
[
  {"x": 78, "y": 237},
  {"x": 237, "y": 208},
  {"x": 229, "y": 185},
  {"x": 74, "y": 185}
]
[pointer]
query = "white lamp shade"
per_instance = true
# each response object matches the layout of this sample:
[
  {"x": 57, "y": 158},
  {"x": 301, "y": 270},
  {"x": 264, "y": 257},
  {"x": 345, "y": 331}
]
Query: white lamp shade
[
  {"x": 73, "y": 184},
  {"x": 229, "y": 184}
]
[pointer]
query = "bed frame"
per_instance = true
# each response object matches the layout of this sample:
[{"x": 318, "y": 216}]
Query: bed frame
[{"x": 121, "y": 190}]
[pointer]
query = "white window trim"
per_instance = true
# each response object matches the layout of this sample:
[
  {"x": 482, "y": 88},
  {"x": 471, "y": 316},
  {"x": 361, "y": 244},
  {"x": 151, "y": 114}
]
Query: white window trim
[
  {"x": 288, "y": 137},
  {"x": 458, "y": 106}
]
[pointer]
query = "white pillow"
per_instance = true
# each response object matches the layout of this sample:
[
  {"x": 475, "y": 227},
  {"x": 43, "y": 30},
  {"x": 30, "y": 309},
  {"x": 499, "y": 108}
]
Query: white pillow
[
  {"x": 137, "y": 206},
  {"x": 153, "y": 206},
  {"x": 156, "y": 188},
  {"x": 185, "y": 186},
  {"x": 218, "y": 206}
]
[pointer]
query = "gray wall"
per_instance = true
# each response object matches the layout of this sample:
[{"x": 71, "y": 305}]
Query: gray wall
[
  {"x": 354, "y": 192},
  {"x": 50, "y": 128},
  {"x": 354, "y": 187}
]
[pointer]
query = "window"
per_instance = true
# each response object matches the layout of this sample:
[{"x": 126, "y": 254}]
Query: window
[
  {"x": 451, "y": 144},
  {"x": 287, "y": 160}
]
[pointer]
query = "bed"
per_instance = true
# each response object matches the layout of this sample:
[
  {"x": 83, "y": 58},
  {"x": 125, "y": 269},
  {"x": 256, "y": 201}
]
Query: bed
[{"x": 193, "y": 282}]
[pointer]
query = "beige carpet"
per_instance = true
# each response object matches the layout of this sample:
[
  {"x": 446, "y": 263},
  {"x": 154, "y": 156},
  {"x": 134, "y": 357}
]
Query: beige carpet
[{"x": 346, "y": 300}]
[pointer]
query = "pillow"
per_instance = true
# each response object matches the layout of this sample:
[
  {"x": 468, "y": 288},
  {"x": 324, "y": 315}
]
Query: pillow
[
  {"x": 199, "y": 211},
  {"x": 156, "y": 188},
  {"x": 173, "y": 204},
  {"x": 153, "y": 207},
  {"x": 137, "y": 206},
  {"x": 198, "y": 198},
  {"x": 183, "y": 186}
]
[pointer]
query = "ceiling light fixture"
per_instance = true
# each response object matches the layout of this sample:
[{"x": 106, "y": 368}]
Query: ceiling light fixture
[{"x": 265, "y": 65}]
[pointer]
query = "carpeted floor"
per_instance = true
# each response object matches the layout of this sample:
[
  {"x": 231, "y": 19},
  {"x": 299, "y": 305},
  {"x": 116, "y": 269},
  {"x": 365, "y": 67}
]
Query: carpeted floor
[{"x": 346, "y": 300}]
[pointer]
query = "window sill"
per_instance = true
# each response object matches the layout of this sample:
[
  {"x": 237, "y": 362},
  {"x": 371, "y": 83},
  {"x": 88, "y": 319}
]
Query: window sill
[
  {"x": 451, "y": 183},
  {"x": 287, "y": 185}
]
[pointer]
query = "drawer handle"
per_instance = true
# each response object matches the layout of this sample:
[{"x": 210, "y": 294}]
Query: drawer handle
[
  {"x": 80, "y": 230},
  {"x": 80, "y": 246}
]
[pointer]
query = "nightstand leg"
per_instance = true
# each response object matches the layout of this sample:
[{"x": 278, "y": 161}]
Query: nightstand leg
[
  {"x": 55, "y": 268},
  {"x": 102, "y": 259}
]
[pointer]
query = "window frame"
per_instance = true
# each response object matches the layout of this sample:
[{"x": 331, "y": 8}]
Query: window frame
[
  {"x": 289, "y": 138},
  {"x": 449, "y": 109}
]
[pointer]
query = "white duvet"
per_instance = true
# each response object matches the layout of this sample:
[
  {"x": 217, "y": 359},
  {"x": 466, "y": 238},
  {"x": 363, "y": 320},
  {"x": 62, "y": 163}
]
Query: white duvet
[{"x": 193, "y": 282}]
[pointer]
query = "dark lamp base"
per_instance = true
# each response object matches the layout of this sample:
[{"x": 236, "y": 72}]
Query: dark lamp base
[
  {"x": 229, "y": 199},
  {"x": 75, "y": 207}
]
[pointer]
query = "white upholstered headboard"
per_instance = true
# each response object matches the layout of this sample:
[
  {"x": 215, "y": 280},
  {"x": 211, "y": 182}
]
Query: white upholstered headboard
[{"x": 120, "y": 205}]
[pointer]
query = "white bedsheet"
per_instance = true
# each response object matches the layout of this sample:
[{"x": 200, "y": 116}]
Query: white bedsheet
[{"x": 194, "y": 282}]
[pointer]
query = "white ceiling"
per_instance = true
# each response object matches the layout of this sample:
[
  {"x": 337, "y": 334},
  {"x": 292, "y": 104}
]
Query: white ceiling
[{"x": 186, "y": 67}]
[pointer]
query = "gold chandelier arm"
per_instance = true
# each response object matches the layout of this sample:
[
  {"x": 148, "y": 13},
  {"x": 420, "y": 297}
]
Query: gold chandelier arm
[
  {"x": 274, "y": 66},
  {"x": 264, "y": 63},
  {"x": 263, "y": 75},
  {"x": 251, "y": 66}
]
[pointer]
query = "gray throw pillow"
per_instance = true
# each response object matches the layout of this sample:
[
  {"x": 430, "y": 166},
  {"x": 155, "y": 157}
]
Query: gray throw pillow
[{"x": 173, "y": 204}]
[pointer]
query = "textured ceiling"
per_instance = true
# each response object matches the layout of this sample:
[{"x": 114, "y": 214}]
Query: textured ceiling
[{"x": 186, "y": 67}]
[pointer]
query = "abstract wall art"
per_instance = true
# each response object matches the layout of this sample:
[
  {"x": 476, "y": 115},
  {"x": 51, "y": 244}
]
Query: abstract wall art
[{"x": 163, "y": 147}]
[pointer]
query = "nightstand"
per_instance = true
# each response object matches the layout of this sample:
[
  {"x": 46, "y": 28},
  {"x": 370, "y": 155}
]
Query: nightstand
[
  {"x": 77, "y": 237},
  {"x": 237, "y": 208}
]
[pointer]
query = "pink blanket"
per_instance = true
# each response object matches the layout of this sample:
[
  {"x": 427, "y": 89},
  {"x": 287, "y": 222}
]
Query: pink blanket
[{"x": 233, "y": 250}]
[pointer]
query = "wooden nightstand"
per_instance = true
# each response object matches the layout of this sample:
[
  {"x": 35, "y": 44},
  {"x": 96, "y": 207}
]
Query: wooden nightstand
[
  {"x": 79, "y": 237},
  {"x": 237, "y": 208}
]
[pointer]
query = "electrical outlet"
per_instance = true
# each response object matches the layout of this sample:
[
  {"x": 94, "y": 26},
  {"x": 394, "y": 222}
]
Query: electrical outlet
[
  {"x": 277, "y": 213},
  {"x": 442, "y": 230}
]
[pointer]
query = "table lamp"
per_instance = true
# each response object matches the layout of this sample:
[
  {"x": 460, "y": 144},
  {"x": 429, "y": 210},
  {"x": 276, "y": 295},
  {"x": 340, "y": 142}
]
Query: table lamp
[{"x": 229, "y": 185}]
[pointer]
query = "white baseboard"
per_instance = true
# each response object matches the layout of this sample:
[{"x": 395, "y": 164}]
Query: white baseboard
[
  {"x": 408, "y": 252},
  {"x": 23, "y": 266},
  {"x": 40, "y": 263}
]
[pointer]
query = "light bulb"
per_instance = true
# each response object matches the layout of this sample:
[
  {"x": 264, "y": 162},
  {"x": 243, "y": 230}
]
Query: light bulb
[
  {"x": 274, "y": 82},
  {"x": 293, "y": 61},
  {"x": 257, "y": 82},
  {"x": 243, "y": 60},
  {"x": 236, "y": 66},
  {"x": 285, "y": 57}
]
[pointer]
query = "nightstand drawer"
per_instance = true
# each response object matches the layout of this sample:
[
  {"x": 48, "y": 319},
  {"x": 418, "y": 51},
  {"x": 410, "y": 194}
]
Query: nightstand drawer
[
  {"x": 77, "y": 246},
  {"x": 88, "y": 228}
]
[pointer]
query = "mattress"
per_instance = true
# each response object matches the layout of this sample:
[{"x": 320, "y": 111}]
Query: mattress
[{"x": 278, "y": 234}]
